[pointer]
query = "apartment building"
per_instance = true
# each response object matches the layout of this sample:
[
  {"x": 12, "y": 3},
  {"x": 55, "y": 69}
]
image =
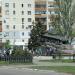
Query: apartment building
[
  {"x": 17, "y": 18},
  {"x": 45, "y": 10}
]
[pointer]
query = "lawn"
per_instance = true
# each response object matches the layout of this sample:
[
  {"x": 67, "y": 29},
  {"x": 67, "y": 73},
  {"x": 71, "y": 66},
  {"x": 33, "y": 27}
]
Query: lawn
[
  {"x": 14, "y": 63},
  {"x": 3, "y": 62},
  {"x": 57, "y": 60},
  {"x": 64, "y": 69}
]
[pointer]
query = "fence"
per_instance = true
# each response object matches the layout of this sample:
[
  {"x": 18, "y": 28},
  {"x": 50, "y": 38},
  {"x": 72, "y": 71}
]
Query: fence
[{"x": 19, "y": 59}]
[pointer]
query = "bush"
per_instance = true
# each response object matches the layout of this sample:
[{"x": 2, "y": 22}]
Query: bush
[
  {"x": 19, "y": 52},
  {"x": 19, "y": 55}
]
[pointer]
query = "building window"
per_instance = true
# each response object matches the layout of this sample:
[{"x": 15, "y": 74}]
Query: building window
[
  {"x": 6, "y": 34},
  {"x": 30, "y": 26},
  {"x": 7, "y": 26},
  {"x": 29, "y": 33},
  {"x": 14, "y": 12},
  {"x": 4, "y": 21},
  {"x": 14, "y": 27},
  {"x": 22, "y": 33},
  {"x": 0, "y": 10},
  {"x": 22, "y": 5},
  {"x": 22, "y": 26},
  {"x": 22, "y": 20},
  {"x": 13, "y": 5},
  {"x": 29, "y": 19},
  {"x": 29, "y": 12},
  {"x": 22, "y": 12},
  {"x": 22, "y": 40},
  {"x": 6, "y": 4},
  {"x": 50, "y": 12},
  {"x": 7, "y": 12},
  {"x": 26, "y": 27},
  {"x": 29, "y": 5}
]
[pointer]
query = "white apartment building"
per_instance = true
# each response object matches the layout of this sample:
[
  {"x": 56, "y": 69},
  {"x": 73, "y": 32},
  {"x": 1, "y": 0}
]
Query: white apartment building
[
  {"x": 18, "y": 15},
  {"x": 17, "y": 18}
]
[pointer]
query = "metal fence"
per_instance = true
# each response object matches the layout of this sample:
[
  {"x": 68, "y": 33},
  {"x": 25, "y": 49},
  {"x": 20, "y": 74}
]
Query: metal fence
[{"x": 18, "y": 59}]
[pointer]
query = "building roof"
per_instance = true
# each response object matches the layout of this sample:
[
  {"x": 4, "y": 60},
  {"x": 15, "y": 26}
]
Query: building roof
[{"x": 54, "y": 36}]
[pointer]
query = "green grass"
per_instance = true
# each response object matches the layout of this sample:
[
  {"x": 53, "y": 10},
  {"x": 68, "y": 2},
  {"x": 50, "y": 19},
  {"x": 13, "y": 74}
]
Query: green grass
[
  {"x": 3, "y": 62},
  {"x": 11, "y": 63},
  {"x": 57, "y": 60},
  {"x": 64, "y": 69}
]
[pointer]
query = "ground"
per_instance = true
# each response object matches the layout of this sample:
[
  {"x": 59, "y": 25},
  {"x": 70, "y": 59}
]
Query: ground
[
  {"x": 39, "y": 67},
  {"x": 5, "y": 70}
]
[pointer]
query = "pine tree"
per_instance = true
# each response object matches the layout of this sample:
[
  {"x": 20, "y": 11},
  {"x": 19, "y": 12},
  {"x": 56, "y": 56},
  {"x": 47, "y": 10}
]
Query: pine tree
[{"x": 35, "y": 36}]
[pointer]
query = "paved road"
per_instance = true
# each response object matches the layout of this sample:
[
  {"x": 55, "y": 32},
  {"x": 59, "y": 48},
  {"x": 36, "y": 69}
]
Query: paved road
[{"x": 23, "y": 71}]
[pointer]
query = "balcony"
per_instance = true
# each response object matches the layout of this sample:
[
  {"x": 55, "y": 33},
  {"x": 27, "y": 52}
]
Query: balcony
[
  {"x": 55, "y": 9},
  {"x": 40, "y": 15},
  {"x": 40, "y": 9},
  {"x": 54, "y": 3},
  {"x": 40, "y": 1}
]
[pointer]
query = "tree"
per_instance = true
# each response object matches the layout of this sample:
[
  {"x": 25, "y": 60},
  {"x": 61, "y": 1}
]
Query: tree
[
  {"x": 56, "y": 23},
  {"x": 63, "y": 23},
  {"x": 7, "y": 46},
  {"x": 35, "y": 36},
  {"x": 66, "y": 19}
]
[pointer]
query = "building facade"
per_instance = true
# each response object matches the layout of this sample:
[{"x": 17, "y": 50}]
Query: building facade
[
  {"x": 45, "y": 10},
  {"x": 18, "y": 17}
]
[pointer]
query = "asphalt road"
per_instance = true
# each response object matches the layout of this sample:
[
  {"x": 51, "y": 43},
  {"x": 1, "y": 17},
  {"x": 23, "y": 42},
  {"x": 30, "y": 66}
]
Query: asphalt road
[{"x": 23, "y": 71}]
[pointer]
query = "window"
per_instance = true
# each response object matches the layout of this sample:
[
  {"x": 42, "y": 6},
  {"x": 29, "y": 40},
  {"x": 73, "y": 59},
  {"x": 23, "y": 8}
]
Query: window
[
  {"x": 6, "y": 4},
  {"x": 0, "y": 10},
  {"x": 22, "y": 12},
  {"x": 22, "y": 20},
  {"x": 22, "y": 26},
  {"x": 22, "y": 5},
  {"x": 7, "y": 26},
  {"x": 13, "y": 5},
  {"x": 14, "y": 12},
  {"x": 29, "y": 33},
  {"x": 6, "y": 34},
  {"x": 29, "y": 19},
  {"x": 30, "y": 26},
  {"x": 13, "y": 26},
  {"x": 29, "y": 5},
  {"x": 7, "y": 12},
  {"x": 26, "y": 27},
  {"x": 22, "y": 33},
  {"x": 40, "y": 5},
  {"x": 29, "y": 12},
  {"x": 22, "y": 40},
  {"x": 50, "y": 12},
  {"x": 40, "y": 12},
  {"x": 4, "y": 21}
]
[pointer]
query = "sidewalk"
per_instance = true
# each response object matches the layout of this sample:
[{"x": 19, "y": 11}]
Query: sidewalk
[{"x": 37, "y": 63}]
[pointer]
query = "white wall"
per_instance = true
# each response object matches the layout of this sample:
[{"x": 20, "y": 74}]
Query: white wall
[{"x": 17, "y": 19}]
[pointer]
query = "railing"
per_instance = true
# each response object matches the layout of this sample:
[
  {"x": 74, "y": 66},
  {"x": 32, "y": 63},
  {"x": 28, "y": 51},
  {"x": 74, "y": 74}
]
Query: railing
[{"x": 18, "y": 59}]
